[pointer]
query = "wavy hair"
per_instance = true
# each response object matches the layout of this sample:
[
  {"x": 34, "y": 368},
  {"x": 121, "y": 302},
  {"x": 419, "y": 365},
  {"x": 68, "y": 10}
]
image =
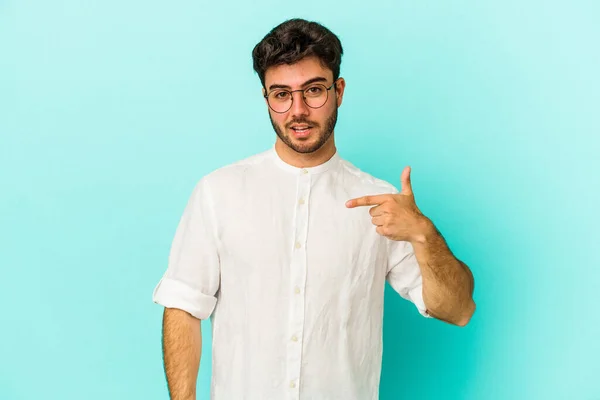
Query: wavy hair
[{"x": 293, "y": 40}]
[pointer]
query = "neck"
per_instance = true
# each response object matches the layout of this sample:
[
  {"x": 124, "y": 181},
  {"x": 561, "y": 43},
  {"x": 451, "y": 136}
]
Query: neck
[{"x": 305, "y": 160}]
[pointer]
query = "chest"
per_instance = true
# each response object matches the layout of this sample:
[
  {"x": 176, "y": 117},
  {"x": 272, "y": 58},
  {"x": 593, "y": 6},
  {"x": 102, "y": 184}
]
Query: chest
[{"x": 298, "y": 232}]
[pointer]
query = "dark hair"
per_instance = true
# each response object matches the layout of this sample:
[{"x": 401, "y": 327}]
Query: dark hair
[{"x": 293, "y": 40}]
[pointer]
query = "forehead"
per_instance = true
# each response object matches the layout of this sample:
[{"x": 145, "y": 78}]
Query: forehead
[{"x": 296, "y": 74}]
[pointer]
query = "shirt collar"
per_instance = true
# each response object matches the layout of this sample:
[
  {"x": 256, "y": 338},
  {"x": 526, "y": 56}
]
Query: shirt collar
[{"x": 329, "y": 164}]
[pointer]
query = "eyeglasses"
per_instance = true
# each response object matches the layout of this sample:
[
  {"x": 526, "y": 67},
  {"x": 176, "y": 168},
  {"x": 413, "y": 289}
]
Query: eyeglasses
[{"x": 314, "y": 96}]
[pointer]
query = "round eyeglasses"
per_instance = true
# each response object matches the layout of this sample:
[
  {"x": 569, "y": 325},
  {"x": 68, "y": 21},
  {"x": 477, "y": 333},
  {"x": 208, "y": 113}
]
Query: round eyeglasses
[{"x": 314, "y": 96}]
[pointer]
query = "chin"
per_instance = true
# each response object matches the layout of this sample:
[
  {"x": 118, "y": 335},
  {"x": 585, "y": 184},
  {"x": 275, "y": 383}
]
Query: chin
[{"x": 305, "y": 148}]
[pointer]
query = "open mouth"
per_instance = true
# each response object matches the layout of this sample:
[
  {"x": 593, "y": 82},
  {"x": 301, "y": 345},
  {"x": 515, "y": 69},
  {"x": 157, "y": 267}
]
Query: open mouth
[{"x": 301, "y": 130}]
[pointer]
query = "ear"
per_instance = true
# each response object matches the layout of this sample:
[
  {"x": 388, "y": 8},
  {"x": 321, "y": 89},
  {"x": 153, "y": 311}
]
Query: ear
[{"x": 340, "y": 86}]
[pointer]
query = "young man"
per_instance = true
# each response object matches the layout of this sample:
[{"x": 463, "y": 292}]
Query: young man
[{"x": 280, "y": 252}]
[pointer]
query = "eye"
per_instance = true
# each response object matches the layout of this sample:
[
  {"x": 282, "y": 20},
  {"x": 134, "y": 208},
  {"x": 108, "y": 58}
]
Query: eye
[
  {"x": 281, "y": 95},
  {"x": 314, "y": 90}
]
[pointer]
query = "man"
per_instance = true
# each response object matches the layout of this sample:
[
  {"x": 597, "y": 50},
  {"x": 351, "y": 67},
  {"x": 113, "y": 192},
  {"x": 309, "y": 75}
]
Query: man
[{"x": 280, "y": 252}]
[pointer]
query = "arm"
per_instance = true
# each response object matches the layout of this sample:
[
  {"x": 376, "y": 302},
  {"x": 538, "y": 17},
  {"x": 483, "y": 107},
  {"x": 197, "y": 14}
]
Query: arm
[
  {"x": 182, "y": 347},
  {"x": 187, "y": 291},
  {"x": 447, "y": 282}
]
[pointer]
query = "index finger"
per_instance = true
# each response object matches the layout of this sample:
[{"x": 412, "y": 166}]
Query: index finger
[{"x": 367, "y": 201}]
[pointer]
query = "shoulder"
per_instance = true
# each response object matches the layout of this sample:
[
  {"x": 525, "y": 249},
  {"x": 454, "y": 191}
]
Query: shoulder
[
  {"x": 231, "y": 175},
  {"x": 362, "y": 181}
]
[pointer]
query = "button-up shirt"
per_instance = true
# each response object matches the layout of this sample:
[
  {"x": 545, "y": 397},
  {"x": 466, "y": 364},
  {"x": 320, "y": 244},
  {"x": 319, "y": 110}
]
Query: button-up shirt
[{"x": 292, "y": 280}]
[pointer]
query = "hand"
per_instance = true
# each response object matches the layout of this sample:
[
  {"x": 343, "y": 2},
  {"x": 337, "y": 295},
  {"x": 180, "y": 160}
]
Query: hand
[{"x": 396, "y": 216}]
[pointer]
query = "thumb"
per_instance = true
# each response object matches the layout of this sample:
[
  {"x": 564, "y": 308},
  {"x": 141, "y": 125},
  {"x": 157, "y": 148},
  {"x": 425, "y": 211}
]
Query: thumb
[{"x": 405, "y": 181}]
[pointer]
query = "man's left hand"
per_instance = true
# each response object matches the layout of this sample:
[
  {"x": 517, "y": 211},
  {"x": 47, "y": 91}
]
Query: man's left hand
[{"x": 396, "y": 216}]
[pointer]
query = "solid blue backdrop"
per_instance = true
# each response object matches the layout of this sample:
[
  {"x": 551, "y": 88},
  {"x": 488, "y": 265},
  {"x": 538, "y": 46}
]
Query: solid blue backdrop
[{"x": 111, "y": 111}]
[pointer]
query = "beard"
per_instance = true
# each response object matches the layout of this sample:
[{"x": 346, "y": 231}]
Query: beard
[{"x": 309, "y": 146}]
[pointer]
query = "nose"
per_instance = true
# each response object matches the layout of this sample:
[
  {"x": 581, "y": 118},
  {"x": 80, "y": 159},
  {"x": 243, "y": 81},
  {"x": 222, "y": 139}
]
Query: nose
[{"x": 299, "y": 107}]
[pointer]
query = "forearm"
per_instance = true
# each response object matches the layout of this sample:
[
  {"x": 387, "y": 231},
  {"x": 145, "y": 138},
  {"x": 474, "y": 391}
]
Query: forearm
[
  {"x": 182, "y": 344},
  {"x": 447, "y": 282}
]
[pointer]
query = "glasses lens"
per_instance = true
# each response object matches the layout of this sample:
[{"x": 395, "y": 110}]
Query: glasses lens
[
  {"x": 280, "y": 100},
  {"x": 315, "y": 95}
]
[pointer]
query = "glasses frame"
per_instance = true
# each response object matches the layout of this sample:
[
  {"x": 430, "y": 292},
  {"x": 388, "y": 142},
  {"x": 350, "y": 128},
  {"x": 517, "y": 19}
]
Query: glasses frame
[{"x": 291, "y": 92}]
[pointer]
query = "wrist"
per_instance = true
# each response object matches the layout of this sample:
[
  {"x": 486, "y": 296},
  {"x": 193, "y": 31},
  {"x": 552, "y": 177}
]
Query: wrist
[{"x": 425, "y": 231}]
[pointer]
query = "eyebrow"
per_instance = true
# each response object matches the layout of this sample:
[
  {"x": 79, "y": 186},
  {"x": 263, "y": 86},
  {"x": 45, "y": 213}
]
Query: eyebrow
[{"x": 308, "y": 82}]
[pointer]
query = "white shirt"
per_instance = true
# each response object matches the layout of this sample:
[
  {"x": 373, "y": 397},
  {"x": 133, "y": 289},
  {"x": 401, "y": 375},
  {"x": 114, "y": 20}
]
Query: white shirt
[{"x": 292, "y": 279}]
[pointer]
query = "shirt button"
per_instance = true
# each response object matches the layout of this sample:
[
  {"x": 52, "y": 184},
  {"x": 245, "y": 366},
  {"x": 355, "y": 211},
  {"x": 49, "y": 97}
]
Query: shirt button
[
  {"x": 294, "y": 338},
  {"x": 292, "y": 384},
  {"x": 298, "y": 245},
  {"x": 297, "y": 290},
  {"x": 301, "y": 201},
  {"x": 304, "y": 171}
]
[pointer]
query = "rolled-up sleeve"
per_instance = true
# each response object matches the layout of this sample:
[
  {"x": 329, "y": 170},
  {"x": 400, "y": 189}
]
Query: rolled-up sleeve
[
  {"x": 192, "y": 278},
  {"x": 404, "y": 274}
]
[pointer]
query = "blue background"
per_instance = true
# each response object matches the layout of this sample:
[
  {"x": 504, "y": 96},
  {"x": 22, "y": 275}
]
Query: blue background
[{"x": 110, "y": 111}]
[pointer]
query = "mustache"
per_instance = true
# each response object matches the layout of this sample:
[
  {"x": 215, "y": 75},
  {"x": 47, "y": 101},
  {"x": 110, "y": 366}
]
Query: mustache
[{"x": 302, "y": 121}]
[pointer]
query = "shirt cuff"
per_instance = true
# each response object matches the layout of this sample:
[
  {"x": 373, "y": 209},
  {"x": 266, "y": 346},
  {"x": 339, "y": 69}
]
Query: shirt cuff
[
  {"x": 172, "y": 293},
  {"x": 416, "y": 296}
]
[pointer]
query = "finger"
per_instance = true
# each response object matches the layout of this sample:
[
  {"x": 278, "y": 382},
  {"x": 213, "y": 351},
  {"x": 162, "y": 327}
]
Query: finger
[
  {"x": 405, "y": 181},
  {"x": 377, "y": 210},
  {"x": 380, "y": 230},
  {"x": 378, "y": 221},
  {"x": 367, "y": 201}
]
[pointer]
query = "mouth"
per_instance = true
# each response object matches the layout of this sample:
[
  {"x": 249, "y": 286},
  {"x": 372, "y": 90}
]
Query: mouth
[{"x": 301, "y": 131}]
